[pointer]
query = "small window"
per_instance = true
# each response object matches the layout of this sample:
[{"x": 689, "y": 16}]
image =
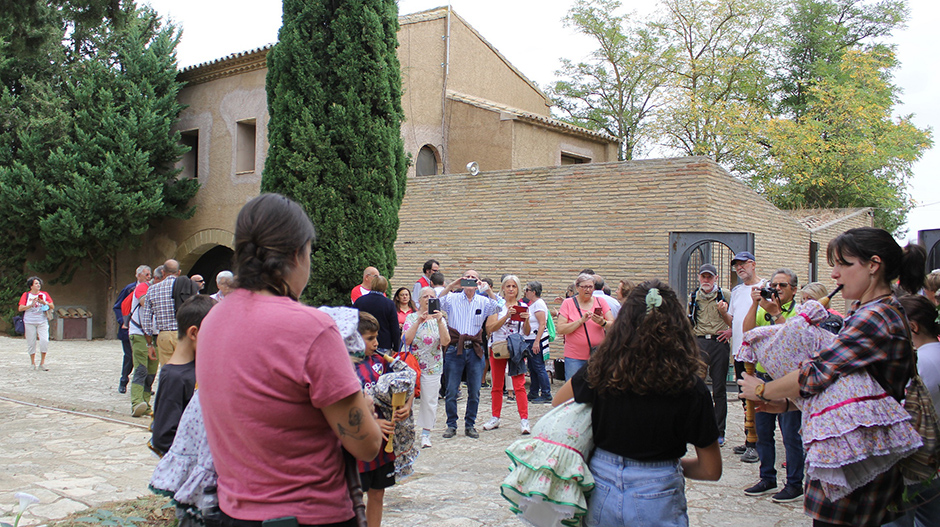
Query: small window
[
  {"x": 572, "y": 159},
  {"x": 427, "y": 162},
  {"x": 245, "y": 146},
  {"x": 190, "y": 138}
]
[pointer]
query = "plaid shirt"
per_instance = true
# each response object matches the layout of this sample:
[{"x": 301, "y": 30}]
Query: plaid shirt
[
  {"x": 158, "y": 312},
  {"x": 874, "y": 338}
]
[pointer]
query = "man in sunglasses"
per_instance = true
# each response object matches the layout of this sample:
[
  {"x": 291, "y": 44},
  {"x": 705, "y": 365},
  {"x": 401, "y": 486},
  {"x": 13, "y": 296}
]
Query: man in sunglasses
[{"x": 774, "y": 304}]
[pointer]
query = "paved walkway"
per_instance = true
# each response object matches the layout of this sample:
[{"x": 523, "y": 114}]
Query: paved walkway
[{"x": 80, "y": 448}]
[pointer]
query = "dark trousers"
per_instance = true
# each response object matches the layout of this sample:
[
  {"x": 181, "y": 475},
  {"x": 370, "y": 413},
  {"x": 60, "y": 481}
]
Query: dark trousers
[
  {"x": 128, "y": 365},
  {"x": 792, "y": 442},
  {"x": 716, "y": 355}
]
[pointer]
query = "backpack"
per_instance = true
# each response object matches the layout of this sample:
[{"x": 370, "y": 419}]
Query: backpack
[
  {"x": 18, "y": 325},
  {"x": 550, "y": 327},
  {"x": 126, "y": 305},
  {"x": 693, "y": 307}
]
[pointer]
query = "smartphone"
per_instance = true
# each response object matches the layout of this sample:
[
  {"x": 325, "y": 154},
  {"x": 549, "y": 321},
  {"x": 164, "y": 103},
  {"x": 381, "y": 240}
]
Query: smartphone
[
  {"x": 468, "y": 282},
  {"x": 434, "y": 305},
  {"x": 286, "y": 521},
  {"x": 599, "y": 311}
]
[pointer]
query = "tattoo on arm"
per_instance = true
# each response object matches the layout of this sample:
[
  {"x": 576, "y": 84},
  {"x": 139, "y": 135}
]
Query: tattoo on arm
[{"x": 355, "y": 426}]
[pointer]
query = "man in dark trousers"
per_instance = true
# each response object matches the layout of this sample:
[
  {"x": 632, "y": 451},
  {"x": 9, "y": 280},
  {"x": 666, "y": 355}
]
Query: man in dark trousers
[
  {"x": 383, "y": 309},
  {"x": 143, "y": 275},
  {"x": 708, "y": 308}
]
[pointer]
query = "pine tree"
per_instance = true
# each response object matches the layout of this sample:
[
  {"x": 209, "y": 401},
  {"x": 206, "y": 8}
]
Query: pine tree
[{"x": 335, "y": 147}]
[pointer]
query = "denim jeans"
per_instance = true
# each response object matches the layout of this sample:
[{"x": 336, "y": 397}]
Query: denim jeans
[
  {"x": 792, "y": 442},
  {"x": 636, "y": 493},
  {"x": 925, "y": 501},
  {"x": 538, "y": 377},
  {"x": 572, "y": 366},
  {"x": 454, "y": 366}
]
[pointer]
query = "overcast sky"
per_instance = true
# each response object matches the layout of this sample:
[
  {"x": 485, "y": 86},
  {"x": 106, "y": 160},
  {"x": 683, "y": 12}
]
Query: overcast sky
[{"x": 530, "y": 34}]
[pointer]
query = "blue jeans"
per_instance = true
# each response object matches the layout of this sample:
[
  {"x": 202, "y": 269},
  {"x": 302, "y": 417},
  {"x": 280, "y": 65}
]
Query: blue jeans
[
  {"x": 792, "y": 443},
  {"x": 454, "y": 366},
  {"x": 539, "y": 383},
  {"x": 572, "y": 366},
  {"x": 926, "y": 502},
  {"x": 636, "y": 493}
]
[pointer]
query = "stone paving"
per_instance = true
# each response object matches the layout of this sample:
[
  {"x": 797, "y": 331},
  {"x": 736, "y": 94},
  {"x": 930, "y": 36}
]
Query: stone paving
[{"x": 66, "y": 436}]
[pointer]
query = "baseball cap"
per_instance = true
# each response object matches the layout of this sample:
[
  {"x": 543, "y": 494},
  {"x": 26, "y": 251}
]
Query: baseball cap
[
  {"x": 708, "y": 268},
  {"x": 743, "y": 256}
]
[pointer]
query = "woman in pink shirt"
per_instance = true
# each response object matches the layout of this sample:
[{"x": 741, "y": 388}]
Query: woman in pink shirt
[
  {"x": 279, "y": 395},
  {"x": 35, "y": 304},
  {"x": 582, "y": 319}
]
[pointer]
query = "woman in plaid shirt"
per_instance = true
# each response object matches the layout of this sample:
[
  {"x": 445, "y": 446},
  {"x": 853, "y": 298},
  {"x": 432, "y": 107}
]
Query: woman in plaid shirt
[{"x": 864, "y": 262}]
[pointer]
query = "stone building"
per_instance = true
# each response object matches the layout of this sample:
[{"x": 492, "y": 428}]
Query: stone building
[{"x": 550, "y": 198}]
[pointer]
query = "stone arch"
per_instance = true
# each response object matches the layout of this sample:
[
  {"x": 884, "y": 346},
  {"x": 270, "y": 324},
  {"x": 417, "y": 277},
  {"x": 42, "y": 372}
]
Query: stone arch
[
  {"x": 684, "y": 247},
  {"x": 428, "y": 161},
  {"x": 200, "y": 243}
]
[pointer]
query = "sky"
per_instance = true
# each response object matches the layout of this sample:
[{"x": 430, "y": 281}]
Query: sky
[{"x": 530, "y": 34}]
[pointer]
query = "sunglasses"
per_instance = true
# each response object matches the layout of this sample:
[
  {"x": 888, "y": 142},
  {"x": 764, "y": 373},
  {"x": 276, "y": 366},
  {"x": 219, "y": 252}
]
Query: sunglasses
[{"x": 779, "y": 285}]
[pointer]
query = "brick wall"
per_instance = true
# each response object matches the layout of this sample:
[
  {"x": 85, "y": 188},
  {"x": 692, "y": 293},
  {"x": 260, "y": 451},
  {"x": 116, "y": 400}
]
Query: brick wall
[{"x": 546, "y": 224}]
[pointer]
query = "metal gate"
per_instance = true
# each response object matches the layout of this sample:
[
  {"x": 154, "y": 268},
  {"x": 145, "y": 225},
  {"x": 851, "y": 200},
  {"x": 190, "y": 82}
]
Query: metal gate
[{"x": 689, "y": 250}]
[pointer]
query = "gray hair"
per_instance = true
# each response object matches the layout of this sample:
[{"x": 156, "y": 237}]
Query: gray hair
[
  {"x": 791, "y": 276},
  {"x": 225, "y": 277},
  {"x": 142, "y": 269},
  {"x": 584, "y": 277},
  {"x": 513, "y": 278},
  {"x": 159, "y": 272}
]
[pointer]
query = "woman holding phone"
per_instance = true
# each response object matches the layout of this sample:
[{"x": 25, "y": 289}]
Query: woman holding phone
[
  {"x": 499, "y": 326},
  {"x": 426, "y": 336},
  {"x": 582, "y": 320}
]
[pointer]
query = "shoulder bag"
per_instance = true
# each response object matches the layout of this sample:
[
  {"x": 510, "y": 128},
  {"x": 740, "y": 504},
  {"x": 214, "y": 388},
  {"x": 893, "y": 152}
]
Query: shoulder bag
[{"x": 586, "y": 334}]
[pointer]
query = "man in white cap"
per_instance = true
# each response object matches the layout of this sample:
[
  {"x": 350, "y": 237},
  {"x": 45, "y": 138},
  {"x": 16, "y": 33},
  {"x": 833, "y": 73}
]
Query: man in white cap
[
  {"x": 745, "y": 266},
  {"x": 708, "y": 309}
]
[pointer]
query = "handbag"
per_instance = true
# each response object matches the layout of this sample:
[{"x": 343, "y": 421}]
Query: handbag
[
  {"x": 550, "y": 327},
  {"x": 500, "y": 350}
]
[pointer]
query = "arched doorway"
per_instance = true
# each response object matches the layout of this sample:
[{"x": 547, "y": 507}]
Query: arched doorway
[
  {"x": 689, "y": 250},
  {"x": 217, "y": 259},
  {"x": 427, "y": 162}
]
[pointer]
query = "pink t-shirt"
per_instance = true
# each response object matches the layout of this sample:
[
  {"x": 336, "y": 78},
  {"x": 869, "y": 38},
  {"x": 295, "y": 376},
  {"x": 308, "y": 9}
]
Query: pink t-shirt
[
  {"x": 265, "y": 367},
  {"x": 576, "y": 344}
]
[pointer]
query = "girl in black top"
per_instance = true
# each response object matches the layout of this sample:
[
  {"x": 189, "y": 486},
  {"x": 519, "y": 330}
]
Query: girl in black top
[{"x": 649, "y": 401}]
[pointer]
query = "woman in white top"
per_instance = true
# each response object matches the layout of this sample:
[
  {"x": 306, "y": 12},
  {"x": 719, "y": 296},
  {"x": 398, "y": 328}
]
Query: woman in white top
[
  {"x": 500, "y": 326},
  {"x": 36, "y": 304},
  {"x": 426, "y": 336},
  {"x": 536, "y": 336}
]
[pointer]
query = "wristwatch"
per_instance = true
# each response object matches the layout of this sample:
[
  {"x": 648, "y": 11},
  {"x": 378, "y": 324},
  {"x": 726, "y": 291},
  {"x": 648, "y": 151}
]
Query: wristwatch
[{"x": 759, "y": 392}]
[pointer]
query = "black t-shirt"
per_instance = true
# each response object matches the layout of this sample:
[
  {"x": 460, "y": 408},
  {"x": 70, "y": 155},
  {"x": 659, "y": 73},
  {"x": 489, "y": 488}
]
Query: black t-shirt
[
  {"x": 649, "y": 427},
  {"x": 177, "y": 384}
]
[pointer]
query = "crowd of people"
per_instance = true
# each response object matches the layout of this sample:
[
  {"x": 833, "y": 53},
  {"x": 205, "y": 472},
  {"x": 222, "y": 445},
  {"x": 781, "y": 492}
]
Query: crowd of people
[{"x": 639, "y": 358}]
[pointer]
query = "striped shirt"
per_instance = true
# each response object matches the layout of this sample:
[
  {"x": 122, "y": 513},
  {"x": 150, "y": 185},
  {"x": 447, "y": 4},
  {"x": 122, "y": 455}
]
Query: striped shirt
[
  {"x": 369, "y": 371},
  {"x": 158, "y": 310},
  {"x": 467, "y": 315}
]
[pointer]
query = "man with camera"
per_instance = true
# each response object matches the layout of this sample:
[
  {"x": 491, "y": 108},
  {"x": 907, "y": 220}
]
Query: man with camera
[
  {"x": 466, "y": 311},
  {"x": 708, "y": 309},
  {"x": 774, "y": 304}
]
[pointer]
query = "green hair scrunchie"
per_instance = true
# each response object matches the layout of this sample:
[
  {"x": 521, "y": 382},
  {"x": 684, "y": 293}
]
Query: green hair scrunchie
[{"x": 653, "y": 299}]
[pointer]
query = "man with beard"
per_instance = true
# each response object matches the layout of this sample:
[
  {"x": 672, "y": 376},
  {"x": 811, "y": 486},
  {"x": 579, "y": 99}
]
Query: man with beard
[{"x": 707, "y": 311}]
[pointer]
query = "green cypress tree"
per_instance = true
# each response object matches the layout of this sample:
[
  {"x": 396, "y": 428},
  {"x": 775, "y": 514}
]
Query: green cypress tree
[{"x": 334, "y": 99}]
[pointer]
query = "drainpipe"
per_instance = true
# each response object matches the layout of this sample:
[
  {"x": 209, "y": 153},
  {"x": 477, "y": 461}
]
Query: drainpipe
[{"x": 446, "y": 66}]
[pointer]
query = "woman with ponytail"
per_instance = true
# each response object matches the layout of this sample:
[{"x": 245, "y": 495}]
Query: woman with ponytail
[
  {"x": 279, "y": 395},
  {"x": 865, "y": 263},
  {"x": 649, "y": 399}
]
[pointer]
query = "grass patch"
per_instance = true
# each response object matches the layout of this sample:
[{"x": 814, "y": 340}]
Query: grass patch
[{"x": 146, "y": 511}]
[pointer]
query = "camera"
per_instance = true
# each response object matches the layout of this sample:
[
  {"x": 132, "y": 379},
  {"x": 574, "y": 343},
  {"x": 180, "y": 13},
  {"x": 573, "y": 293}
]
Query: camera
[
  {"x": 769, "y": 293},
  {"x": 434, "y": 305}
]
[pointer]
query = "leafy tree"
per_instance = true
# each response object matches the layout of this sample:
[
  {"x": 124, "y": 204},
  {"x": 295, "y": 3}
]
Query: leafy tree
[
  {"x": 615, "y": 91},
  {"x": 334, "y": 97},
  {"x": 719, "y": 82},
  {"x": 846, "y": 150},
  {"x": 90, "y": 153}
]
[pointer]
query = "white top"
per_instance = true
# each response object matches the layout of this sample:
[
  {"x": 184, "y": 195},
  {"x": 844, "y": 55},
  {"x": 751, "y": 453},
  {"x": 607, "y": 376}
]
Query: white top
[
  {"x": 928, "y": 366},
  {"x": 739, "y": 305},
  {"x": 508, "y": 328},
  {"x": 612, "y": 302},
  {"x": 535, "y": 307},
  {"x": 35, "y": 314}
]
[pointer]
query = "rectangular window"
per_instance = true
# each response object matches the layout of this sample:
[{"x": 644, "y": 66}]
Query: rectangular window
[
  {"x": 573, "y": 159},
  {"x": 245, "y": 146},
  {"x": 190, "y": 159}
]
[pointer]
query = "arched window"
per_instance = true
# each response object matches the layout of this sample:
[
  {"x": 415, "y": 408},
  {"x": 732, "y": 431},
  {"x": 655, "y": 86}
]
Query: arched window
[{"x": 427, "y": 161}]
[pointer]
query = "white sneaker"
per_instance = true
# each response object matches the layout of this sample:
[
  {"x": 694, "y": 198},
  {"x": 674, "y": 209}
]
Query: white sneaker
[
  {"x": 492, "y": 423},
  {"x": 524, "y": 424},
  {"x": 425, "y": 441}
]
